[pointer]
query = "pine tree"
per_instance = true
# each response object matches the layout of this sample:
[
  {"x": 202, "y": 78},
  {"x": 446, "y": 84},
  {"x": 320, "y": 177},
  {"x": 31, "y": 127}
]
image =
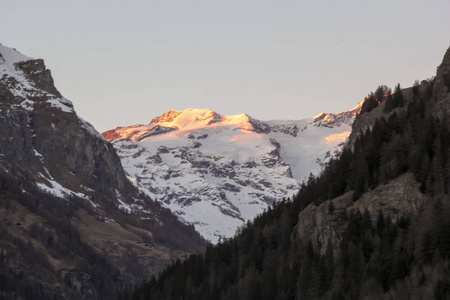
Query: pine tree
[{"x": 369, "y": 103}]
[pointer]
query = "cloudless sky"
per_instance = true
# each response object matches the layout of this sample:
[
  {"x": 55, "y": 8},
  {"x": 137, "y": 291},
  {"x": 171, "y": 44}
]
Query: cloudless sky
[{"x": 125, "y": 62}]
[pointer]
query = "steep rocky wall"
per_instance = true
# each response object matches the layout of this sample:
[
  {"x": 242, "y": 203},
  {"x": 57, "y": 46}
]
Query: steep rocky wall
[
  {"x": 441, "y": 89},
  {"x": 73, "y": 148},
  {"x": 400, "y": 197},
  {"x": 36, "y": 130},
  {"x": 36, "y": 72},
  {"x": 56, "y": 172}
]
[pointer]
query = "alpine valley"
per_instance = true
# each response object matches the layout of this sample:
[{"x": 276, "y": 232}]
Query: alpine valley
[
  {"x": 83, "y": 218},
  {"x": 218, "y": 172}
]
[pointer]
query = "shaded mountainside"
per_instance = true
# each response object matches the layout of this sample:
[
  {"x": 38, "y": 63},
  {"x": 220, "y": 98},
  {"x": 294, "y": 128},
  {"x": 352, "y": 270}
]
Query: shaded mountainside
[
  {"x": 373, "y": 225},
  {"x": 72, "y": 225},
  {"x": 217, "y": 172}
]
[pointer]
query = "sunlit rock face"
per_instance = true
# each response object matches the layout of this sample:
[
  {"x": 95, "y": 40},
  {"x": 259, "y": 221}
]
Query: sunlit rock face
[{"x": 216, "y": 171}]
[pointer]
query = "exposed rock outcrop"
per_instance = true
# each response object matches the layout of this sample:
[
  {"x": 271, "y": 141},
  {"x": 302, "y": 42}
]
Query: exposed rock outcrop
[
  {"x": 441, "y": 88},
  {"x": 400, "y": 197},
  {"x": 36, "y": 72}
]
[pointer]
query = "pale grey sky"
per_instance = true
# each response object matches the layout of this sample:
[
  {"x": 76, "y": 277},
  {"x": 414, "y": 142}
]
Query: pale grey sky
[{"x": 125, "y": 62}]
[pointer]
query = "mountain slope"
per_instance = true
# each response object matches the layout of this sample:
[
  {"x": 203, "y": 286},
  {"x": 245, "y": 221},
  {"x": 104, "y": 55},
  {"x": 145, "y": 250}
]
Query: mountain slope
[
  {"x": 217, "y": 172},
  {"x": 65, "y": 198},
  {"x": 373, "y": 225}
]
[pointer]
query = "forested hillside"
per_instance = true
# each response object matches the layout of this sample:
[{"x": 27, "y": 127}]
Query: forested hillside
[{"x": 397, "y": 253}]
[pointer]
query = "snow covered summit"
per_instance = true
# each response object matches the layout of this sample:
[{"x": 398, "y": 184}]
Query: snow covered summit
[{"x": 217, "y": 171}]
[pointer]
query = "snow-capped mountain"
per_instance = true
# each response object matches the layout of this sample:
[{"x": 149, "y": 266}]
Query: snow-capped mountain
[{"x": 217, "y": 172}]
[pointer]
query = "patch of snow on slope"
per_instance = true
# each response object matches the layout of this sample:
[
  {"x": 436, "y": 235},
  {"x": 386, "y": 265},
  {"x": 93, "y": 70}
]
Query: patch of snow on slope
[
  {"x": 7, "y": 68},
  {"x": 57, "y": 189},
  {"x": 12, "y": 56},
  {"x": 27, "y": 105},
  {"x": 337, "y": 138},
  {"x": 122, "y": 205},
  {"x": 61, "y": 103},
  {"x": 53, "y": 187}
]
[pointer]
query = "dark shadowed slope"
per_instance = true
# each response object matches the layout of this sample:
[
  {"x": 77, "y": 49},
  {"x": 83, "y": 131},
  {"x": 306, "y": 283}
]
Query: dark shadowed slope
[{"x": 72, "y": 225}]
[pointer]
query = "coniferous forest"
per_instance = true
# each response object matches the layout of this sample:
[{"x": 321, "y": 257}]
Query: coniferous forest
[{"x": 378, "y": 256}]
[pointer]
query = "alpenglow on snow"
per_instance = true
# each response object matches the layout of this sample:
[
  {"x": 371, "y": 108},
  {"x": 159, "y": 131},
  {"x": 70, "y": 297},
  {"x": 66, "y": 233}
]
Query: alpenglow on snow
[{"x": 217, "y": 172}]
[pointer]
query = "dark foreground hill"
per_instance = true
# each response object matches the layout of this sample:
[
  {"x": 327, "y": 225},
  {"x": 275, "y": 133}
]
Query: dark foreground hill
[
  {"x": 72, "y": 226},
  {"x": 374, "y": 225}
]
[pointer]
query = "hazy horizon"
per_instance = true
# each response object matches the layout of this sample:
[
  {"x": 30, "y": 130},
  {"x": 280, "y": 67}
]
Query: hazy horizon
[{"x": 125, "y": 63}]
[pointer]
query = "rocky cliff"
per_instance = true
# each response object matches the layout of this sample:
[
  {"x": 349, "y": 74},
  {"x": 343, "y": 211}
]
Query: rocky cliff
[
  {"x": 59, "y": 176},
  {"x": 324, "y": 224},
  {"x": 44, "y": 132}
]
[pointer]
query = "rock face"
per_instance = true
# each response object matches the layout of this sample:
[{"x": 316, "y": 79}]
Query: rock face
[
  {"x": 43, "y": 133},
  {"x": 51, "y": 157},
  {"x": 400, "y": 197},
  {"x": 441, "y": 88},
  {"x": 217, "y": 172}
]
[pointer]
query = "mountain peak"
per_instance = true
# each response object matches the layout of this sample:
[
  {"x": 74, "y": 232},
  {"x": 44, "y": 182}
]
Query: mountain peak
[
  {"x": 187, "y": 119},
  {"x": 345, "y": 117},
  {"x": 27, "y": 77},
  {"x": 196, "y": 119},
  {"x": 446, "y": 59},
  {"x": 444, "y": 68},
  {"x": 10, "y": 56}
]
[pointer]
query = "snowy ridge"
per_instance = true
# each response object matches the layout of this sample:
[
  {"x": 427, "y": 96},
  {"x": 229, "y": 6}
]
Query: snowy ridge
[
  {"x": 10, "y": 56},
  {"x": 217, "y": 172},
  {"x": 20, "y": 84}
]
